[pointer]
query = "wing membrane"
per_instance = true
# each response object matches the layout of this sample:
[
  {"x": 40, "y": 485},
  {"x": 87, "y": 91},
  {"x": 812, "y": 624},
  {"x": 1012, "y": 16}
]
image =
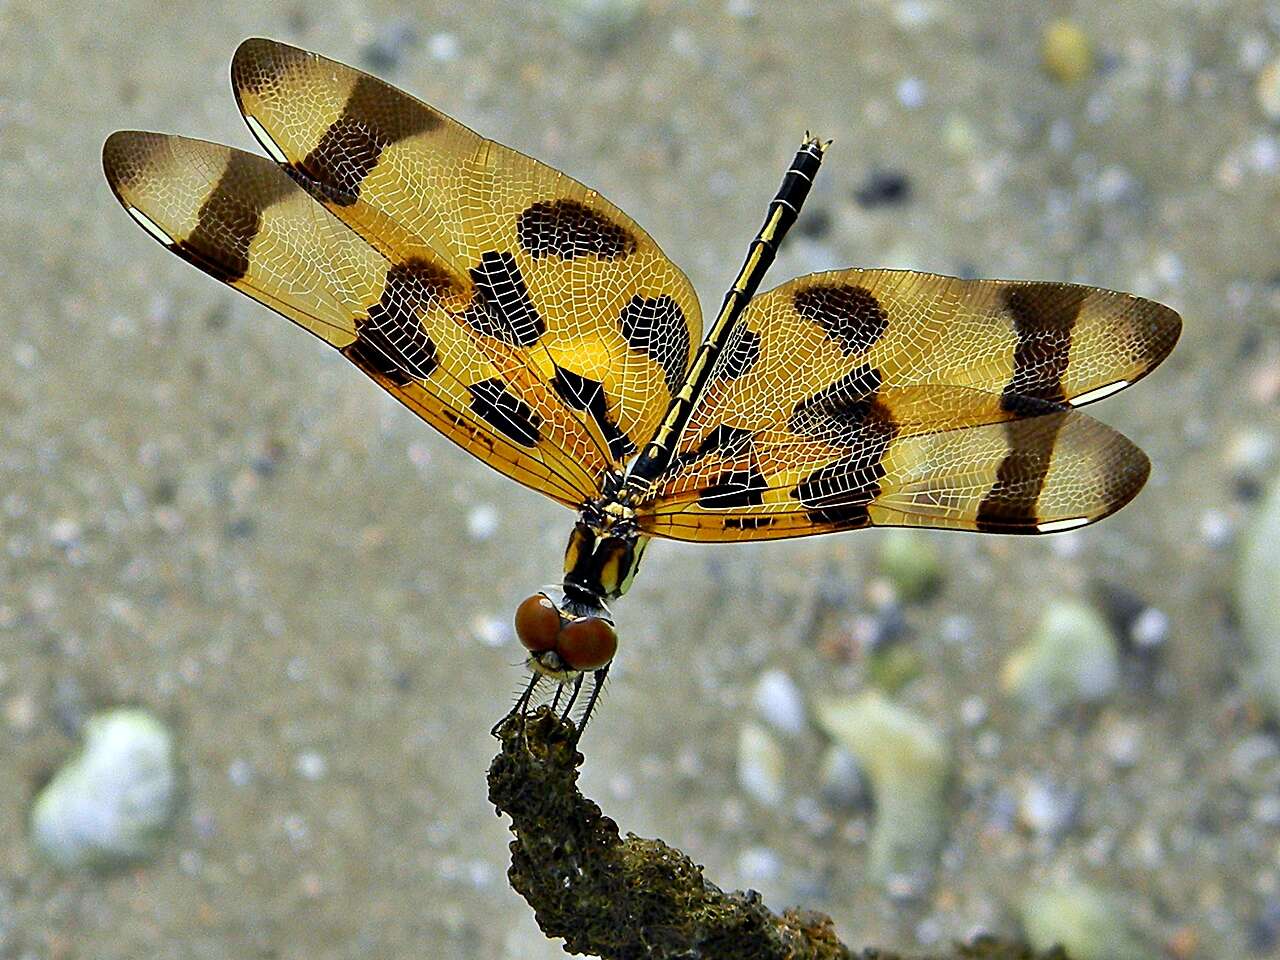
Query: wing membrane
[
  {"x": 889, "y": 397},
  {"x": 580, "y": 295},
  {"x": 239, "y": 218}
]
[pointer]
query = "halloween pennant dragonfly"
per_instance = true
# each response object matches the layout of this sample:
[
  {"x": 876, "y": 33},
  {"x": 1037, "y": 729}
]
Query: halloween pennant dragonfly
[{"x": 538, "y": 327}]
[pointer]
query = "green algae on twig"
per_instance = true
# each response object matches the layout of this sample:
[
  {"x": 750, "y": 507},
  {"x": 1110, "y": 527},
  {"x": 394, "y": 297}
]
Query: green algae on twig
[
  {"x": 615, "y": 897},
  {"x": 628, "y": 898}
]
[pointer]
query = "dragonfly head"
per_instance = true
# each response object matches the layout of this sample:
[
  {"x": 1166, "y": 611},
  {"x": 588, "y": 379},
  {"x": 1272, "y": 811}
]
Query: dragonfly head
[{"x": 565, "y": 637}]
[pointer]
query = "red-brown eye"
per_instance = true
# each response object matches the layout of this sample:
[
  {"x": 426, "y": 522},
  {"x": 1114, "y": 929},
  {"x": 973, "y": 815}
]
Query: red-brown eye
[
  {"x": 587, "y": 643},
  {"x": 538, "y": 623}
]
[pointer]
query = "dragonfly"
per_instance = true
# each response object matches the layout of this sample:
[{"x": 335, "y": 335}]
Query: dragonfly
[{"x": 539, "y": 328}]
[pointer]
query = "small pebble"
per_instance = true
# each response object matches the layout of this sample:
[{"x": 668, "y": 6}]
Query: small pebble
[
  {"x": 1122, "y": 743},
  {"x": 759, "y": 865},
  {"x": 878, "y": 631},
  {"x": 1251, "y": 450},
  {"x": 1253, "y": 51},
  {"x": 1048, "y": 809},
  {"x": 1062, "y": 136},
  {"x": 64, "y": 533},
  {"x": 973, "y": 711},
  {"x": 240, "y": 772},
  {"x": 443, "y": 47},
  {"x": 890, "y": 667},
  {"x": 25, "y": 356},
  {"x": 1065, "y": 51},
  {"x": 115, "y": 801},
  {"x": 814, "y": 223},
  {"x": 1142, "y": 627},
  {"x": 911, "y": 92},
  {"x": 600, "y": 22},
  {"x": 493, "y": 631},
  {"x": 779, "y": 703},
  {"x": 961, "y": 136},
  {"x": 911, "y": 562},
  {"x": 913, "y": 14},
  {"x": 883, "y": 188},
  {"x": 1264, "y": 931},
  {"x": 1150, "y": 629},
  {"x": 20, "y": 713},
  {"x": 929, "y": 931},
  {"x": 1252, "y": 755},
  {"x": 1266, "y": 809},
  {"x": 388, "y": 47},
  {"x": 761, "y": 765},
  {"x": 482, "y": 522},
  {"x": 311, "y": 766},
  {"x": 1217, "y": 529}
]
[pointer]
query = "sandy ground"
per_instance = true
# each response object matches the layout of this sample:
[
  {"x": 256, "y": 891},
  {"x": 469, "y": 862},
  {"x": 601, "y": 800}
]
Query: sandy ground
[{"x": 205, "y": 512}]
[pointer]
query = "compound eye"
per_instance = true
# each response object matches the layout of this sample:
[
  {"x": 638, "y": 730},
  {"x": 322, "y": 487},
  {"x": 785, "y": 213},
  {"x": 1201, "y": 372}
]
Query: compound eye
[
  {"x": 587, "y": 643},
  {"x": 538, "y": 623}
]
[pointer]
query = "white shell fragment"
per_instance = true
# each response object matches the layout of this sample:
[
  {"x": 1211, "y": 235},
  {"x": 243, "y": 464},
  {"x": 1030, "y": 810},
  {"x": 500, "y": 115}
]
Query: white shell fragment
[
  {"x": 908, "y": 763},
  {"x": 779, "y": 703},
  {"x": 761, "y": 766},
  {"x": 1258, "y": 597},
  {"x": 113, "y": 802}
]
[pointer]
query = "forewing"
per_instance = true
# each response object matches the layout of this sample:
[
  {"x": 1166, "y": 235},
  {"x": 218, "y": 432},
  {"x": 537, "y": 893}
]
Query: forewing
[
  {"x": 580, "y": 295},
  {"x": 239, "y": 218},
  {"x": 890, "y": 397}
]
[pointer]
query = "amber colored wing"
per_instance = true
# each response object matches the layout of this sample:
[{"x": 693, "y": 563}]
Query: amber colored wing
[
  {"x": 579, "y": 295},
  {"x": 241, "y": 219},
  {"x": 883, "y": 397}
]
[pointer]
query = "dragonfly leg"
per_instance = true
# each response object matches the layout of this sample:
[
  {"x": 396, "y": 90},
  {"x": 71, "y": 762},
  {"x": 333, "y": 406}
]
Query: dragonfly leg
[
  {"x": 521, "y": 704},
  {"x": 577, "y": 687},
  {"x": 597, "y": 679}
]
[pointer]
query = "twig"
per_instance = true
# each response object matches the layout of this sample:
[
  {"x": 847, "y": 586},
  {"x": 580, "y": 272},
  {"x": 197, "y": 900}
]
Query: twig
[{"x": 638, "y": 899}]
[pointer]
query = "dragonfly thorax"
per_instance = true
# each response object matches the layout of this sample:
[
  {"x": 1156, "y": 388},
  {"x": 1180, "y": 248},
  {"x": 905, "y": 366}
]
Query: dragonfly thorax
[{"x": 603, "y": 552}]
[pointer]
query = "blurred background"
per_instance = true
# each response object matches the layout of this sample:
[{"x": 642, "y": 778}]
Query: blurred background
[{"x": 206, "y": 514}]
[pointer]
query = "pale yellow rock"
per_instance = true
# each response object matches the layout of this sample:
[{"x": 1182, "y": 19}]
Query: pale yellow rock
[
  {"x": 1089, "y": 923},
  {"x": 1258, "y": 599},
  {"x": 908, "y": 764},
  {"x": 1065, "y": 52},
  {"x": 1267, "y": 89}
]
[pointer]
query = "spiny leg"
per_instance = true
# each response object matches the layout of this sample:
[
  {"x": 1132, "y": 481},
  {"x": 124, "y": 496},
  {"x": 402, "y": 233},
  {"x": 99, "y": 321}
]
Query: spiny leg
[
  {"x": 577, "y": 686},
  {"x": 555, "y": 701},
  {"x": 522, "y": 702},
  {"x": 598, "y": 684}
]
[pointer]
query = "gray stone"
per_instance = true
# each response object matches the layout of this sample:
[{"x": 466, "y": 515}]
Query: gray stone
[
  {"x": 1072, "y": 657},
  {"x": 840, "y": 782}
]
